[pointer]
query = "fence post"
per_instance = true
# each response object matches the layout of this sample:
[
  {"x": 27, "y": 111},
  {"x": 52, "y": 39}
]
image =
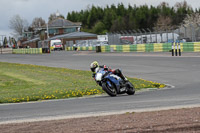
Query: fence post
[
  {"x": 167, "y": 35},
  {"x": 150, "y": 35},
  {"x": 172, "y": 48}
]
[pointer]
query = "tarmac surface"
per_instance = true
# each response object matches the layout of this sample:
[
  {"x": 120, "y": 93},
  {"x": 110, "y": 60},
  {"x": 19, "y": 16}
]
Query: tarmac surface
[{"x": 182, "y": 74}]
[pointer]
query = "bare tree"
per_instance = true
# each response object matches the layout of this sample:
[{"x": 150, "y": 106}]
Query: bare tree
[
  {"x": 38, "y": 22},
  {"x": 18, "y": 25},
  {"x": 55, "y": 16},
  {"x": 163, "y": 4},
  {"x": 191, "y": 25},
  {"x": 192, "y": 19},
  {"x": 163, "y": 23},
  {"x": 183, "y": 4}
]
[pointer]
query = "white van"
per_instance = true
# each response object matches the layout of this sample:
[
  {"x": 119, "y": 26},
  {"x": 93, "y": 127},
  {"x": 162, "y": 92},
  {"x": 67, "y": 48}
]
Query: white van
[{"x": 56, "y": 44}]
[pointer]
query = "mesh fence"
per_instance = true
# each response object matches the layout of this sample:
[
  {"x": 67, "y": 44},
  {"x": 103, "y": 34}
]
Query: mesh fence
[{"x": 145, "y": 36}]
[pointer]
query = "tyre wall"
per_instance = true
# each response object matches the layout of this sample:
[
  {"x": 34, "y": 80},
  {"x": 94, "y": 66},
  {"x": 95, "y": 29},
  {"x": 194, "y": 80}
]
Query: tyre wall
[
  {"x": 27, "y": 51},
  {"x": 155, "y": 47}
]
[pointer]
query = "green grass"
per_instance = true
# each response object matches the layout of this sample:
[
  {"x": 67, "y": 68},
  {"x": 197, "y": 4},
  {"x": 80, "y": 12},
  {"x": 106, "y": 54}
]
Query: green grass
[{"x": 23, "y": 83}]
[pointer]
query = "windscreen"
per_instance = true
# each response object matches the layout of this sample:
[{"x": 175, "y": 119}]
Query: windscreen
[{"x": 57, "y": 43}]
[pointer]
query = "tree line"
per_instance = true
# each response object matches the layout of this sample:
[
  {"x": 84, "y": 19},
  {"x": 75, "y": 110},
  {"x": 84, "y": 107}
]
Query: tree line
[{"x": 118, "y": 17}]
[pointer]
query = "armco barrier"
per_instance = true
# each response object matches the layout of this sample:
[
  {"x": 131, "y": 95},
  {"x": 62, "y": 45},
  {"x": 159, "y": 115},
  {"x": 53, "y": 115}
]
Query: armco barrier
[
  {"x": 27, "y": 51},
  {"x": 155, "y": 47}
]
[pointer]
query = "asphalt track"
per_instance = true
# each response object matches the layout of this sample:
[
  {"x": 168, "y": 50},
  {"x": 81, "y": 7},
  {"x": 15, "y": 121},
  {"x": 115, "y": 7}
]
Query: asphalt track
[{"x": 181, "y": 73}]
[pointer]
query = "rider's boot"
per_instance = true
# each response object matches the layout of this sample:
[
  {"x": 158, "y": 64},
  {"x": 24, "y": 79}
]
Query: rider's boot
[
  {"x": 119, "y": 73},
  {"x": 124, "y": 78}
]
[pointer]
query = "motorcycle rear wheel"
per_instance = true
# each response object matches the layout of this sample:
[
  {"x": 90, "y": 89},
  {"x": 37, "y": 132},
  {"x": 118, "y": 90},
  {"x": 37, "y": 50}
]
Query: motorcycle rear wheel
[{"x": 110, "y": 90}]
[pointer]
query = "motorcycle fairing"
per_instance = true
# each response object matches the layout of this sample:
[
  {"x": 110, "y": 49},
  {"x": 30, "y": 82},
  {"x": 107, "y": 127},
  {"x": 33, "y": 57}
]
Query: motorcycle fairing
[{"x": 114, "y": 80}]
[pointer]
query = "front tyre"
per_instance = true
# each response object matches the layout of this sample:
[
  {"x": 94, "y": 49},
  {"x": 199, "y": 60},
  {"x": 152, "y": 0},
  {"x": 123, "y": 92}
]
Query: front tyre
[
  {"x": 130, "y": 88},
  {"x": 109, "y": 88}
]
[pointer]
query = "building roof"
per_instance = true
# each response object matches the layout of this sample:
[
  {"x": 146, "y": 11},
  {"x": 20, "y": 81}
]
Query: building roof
[
  {"x": 73, "y": 35},
  {"x": 60, "y": 22},
  {"x": 32, "y": 40},
  {"x": 65, "y": 36}
]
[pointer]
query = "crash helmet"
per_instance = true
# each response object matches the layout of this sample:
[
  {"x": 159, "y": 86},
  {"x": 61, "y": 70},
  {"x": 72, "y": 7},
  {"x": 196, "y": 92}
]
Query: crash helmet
[{"x": 94, "y": 65}]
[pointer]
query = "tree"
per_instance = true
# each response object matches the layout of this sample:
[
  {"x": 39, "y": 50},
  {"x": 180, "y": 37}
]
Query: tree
[
  {"x": 38, "y": 22},
  {"x": 5, "y": 42},
  {"x": 163, "y": 4},
  {"x": 163, "y": 23},
  {"x": 164, "y": 8},
  {"x": 93, "y": 17},
  {"x": 69, "y": 16},
  {"x": 99, "y": 28},
  {"x": 181, "y": 10},
  {"x": 190, "y": 26},
  {"x": 183, "y": 4},
  {"x": 119, "y": 24},
  {"x": 14, "y": 41},
  {"x": 192, "y": 19},
  {"x": 119, "y": 17},
  {"x": 107, "y": 20},
  {"x": 132, "y": 21},
  {"x": 121, "y": 11},
  {"x": 18, "y": 24},
  {"x": 55, "y": 16},
  {"x": 73, "y": 16}
]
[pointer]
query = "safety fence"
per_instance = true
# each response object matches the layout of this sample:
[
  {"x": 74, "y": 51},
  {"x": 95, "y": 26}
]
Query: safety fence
[
  {"x": 155, "y": 47},
  {"x": 27, "y": 51}
]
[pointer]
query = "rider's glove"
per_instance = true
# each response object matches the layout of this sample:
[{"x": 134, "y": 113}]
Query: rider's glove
[{"x": 105, "y": 67}]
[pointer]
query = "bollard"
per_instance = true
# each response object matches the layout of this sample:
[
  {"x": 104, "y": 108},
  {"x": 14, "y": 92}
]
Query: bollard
[
  {"x": 172, "y": 48},
  {"x": 176, "y": 49},
  {"x": 179, "y": 48}
]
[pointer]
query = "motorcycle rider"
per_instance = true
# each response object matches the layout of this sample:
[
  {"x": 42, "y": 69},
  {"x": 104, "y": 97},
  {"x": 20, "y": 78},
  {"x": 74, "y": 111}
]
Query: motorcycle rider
[{"x": 94, "y": 66}]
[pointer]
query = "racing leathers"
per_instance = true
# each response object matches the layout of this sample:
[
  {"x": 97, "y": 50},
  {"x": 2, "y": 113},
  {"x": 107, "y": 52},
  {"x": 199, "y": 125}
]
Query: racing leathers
[{"x": 114, "y": 71}]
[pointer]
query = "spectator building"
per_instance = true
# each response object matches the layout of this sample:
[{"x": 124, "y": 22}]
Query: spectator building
[{"x": 65, "y": 30}]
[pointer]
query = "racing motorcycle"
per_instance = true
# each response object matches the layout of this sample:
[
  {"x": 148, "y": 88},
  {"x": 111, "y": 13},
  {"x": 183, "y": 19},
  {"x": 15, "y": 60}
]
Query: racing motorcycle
[{"x": 113, "y": 84}]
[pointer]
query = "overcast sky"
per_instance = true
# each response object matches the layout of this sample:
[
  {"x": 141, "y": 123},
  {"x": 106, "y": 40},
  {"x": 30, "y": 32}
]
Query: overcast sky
[{"x": 29, "y": 9}]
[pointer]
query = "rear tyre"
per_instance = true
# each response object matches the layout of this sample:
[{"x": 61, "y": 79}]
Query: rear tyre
[
  {"x": 109, "y": 88},
  {"x": 130, "y": 88}
]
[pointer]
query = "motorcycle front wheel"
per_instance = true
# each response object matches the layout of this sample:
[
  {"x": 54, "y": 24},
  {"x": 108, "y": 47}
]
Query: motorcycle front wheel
[
  {"x": 130, "y": 88},
  {"x": 109, "y": 88}
]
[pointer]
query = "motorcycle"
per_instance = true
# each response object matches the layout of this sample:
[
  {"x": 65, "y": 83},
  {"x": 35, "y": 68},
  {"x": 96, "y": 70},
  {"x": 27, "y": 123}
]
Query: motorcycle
[{"x": 113, "y": 84}]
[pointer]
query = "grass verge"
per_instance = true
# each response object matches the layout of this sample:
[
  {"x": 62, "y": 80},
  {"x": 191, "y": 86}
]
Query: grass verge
[{"x": 24, "y": 83}]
